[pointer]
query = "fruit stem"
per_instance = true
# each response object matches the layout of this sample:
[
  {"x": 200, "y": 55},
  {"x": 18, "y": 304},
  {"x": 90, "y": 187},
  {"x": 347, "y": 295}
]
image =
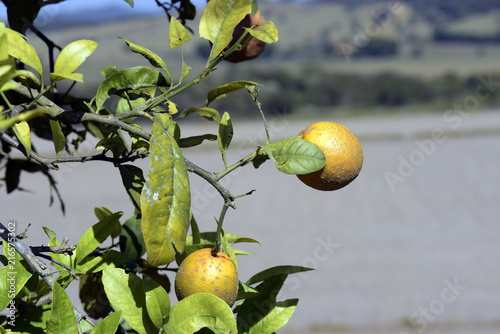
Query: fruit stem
[{"x": 218, "y": 239}]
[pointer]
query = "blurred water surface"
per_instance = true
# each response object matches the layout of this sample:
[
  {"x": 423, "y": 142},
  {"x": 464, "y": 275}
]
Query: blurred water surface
[{"x": 423, "y": 247}]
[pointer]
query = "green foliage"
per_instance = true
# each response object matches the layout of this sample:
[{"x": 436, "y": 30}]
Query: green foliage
[
  {"x": 126, "y": 294},
  {"x": 62, "y": 318},
  {"x": 70, "y": 58},
  {"x": 165, "y": 199},
  {"x": 121, "y": 266},
  {"x": 296, "y": 156},
  {"x": 219, "y": 20},
  {"x": 198, "y": 311}
]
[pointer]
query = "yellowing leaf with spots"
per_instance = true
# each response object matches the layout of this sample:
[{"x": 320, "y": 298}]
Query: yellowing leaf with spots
[{"x": 165, "y": 199}]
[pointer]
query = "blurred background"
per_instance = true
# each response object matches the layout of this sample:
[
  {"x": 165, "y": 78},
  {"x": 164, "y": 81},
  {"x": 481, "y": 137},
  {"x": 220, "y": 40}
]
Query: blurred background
[{"x": 411, "y": 246}]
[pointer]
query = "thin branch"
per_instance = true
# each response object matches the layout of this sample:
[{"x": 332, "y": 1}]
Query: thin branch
[
  {"x": 74, "y": 117},
  {"x": 68, "y": 268},
  {"x": 212, "y": 179},
  {"x": 98, "y": 157},
  {"x": 34, "y": 156},
  {"x": 240, "y": 163},
  {"x": 63, "y": 248}
]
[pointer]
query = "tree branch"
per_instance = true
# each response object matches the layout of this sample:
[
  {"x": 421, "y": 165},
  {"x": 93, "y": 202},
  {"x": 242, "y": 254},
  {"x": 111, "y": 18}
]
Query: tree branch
[
  {"x": 75, "y": 117},
  {"x": 35, "y": 265},
  {"x": 34, "y": 156}
]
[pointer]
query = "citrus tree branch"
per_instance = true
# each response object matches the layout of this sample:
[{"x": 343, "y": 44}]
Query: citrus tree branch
[
  {"x": 34, "y": 156},
  {"x": 75, "y": 117},
  {"x": 36, "y": 266},
  {"x": 212, "y": 179},
  {"x": 237, "y": 164}
]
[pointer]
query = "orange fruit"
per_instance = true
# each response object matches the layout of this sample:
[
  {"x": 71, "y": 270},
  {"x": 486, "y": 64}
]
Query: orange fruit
[
  {"x": 202, "y": 271},
  {"x": 344, "y": 156},
  {"x": 255, "y": 47}
]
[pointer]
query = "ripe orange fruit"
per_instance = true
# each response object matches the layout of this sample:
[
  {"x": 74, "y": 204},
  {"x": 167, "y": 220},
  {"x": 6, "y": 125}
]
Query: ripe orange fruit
[
  {"x": 201, "y": 271},
  {"x": 344, "y": 156},
  {"x": 255, "y": 47}
]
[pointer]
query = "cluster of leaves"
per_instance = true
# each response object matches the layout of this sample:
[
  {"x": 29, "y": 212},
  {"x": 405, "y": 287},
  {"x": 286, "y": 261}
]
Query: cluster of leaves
[{"x": 125, "y": 283}]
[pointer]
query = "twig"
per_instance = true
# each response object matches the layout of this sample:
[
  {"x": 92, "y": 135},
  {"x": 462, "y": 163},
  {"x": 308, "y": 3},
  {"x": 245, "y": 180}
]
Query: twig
[
  {"x": 63, "y": 248},
  {"x": 74, "y": 117},
  {"x": 24, "y": 234},
  {"x": 98, "y": 157},
  {"x": 212, "y": 179},
  {"x": 68, "y": 268},
  {"x": 34, "y": 156}
]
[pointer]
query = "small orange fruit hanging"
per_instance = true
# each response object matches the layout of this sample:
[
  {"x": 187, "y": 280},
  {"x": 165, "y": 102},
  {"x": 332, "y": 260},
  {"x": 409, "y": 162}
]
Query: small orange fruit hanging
[
  {"x": 344, "y": 156},
  {"x": 203, "y": 271}
]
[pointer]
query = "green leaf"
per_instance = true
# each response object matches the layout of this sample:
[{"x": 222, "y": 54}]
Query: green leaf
[
  {"x": 96, "y": 235},
  {"x": 218, "y": 21},
  {"x": 27, "y": 75},
  {"x": 33, "y": 321},
  {"x": 108, "y": 324},
  {"x": 14, "y": 274},
  {"x": 242, "y": 239},
  {"x": 177, "y": 34},
  {"x": 58, "y": 76},
  {"x": 22, "y": 13},
  {"x": 133, "y": 181},
  {"x": 210, "y": 237},
  {"x": 165, "y": 199},
  {"x": 102, "y": 212},
  {"x": 198, "y": 311},
  {"x": 152, "y": 57},
  {"x": 226, "y": 248},
  {"x": 246, "y": 292},
  {"x": 276, "y": 318},
  {"x": 138, "y": 143},
  {"x": 225, "y": 135},
  {"x": 126, "y": 294},
  {"x": 262, "y": 314},
  {"x": 221, "y": 91},
  {"x": 50, "y": 233},
  {"x": 115, "y": 144},
  {"x": 130, "y": 78},
  {"x": 208, "y": 113},
  {"x": 58, "y": 137},
  {"x": 131, "y": 238},
  {"x": 94, "y": 264},
  {"x": 275, "y": 271},
  {"x": 20, "y": 49},
  {"x": 62, "y": 318},
  {"x": 157, "y": 301},
  {"x": 185, "y": 70},
  {"x": 125, "y": 105},
  {"x": 71, "y": 57},
  {"x": 195, "y": 230},
  {"x": 9, "y": 85},
  {"x": 296, "y": 156},
  {"x": 130, "y": 2},
  {"x": 24, "y": 116},
  {"x": 4, "y": 43},
  {"x": 267, "y": 33},
  {"x": 109, "y": 70},
  {"x": 22, "y": 131},
  {"x": 196, "y": 140}
]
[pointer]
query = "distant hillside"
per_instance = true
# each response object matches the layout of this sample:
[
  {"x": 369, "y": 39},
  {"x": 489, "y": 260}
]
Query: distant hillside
[{"x": 310, "y": 67}]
